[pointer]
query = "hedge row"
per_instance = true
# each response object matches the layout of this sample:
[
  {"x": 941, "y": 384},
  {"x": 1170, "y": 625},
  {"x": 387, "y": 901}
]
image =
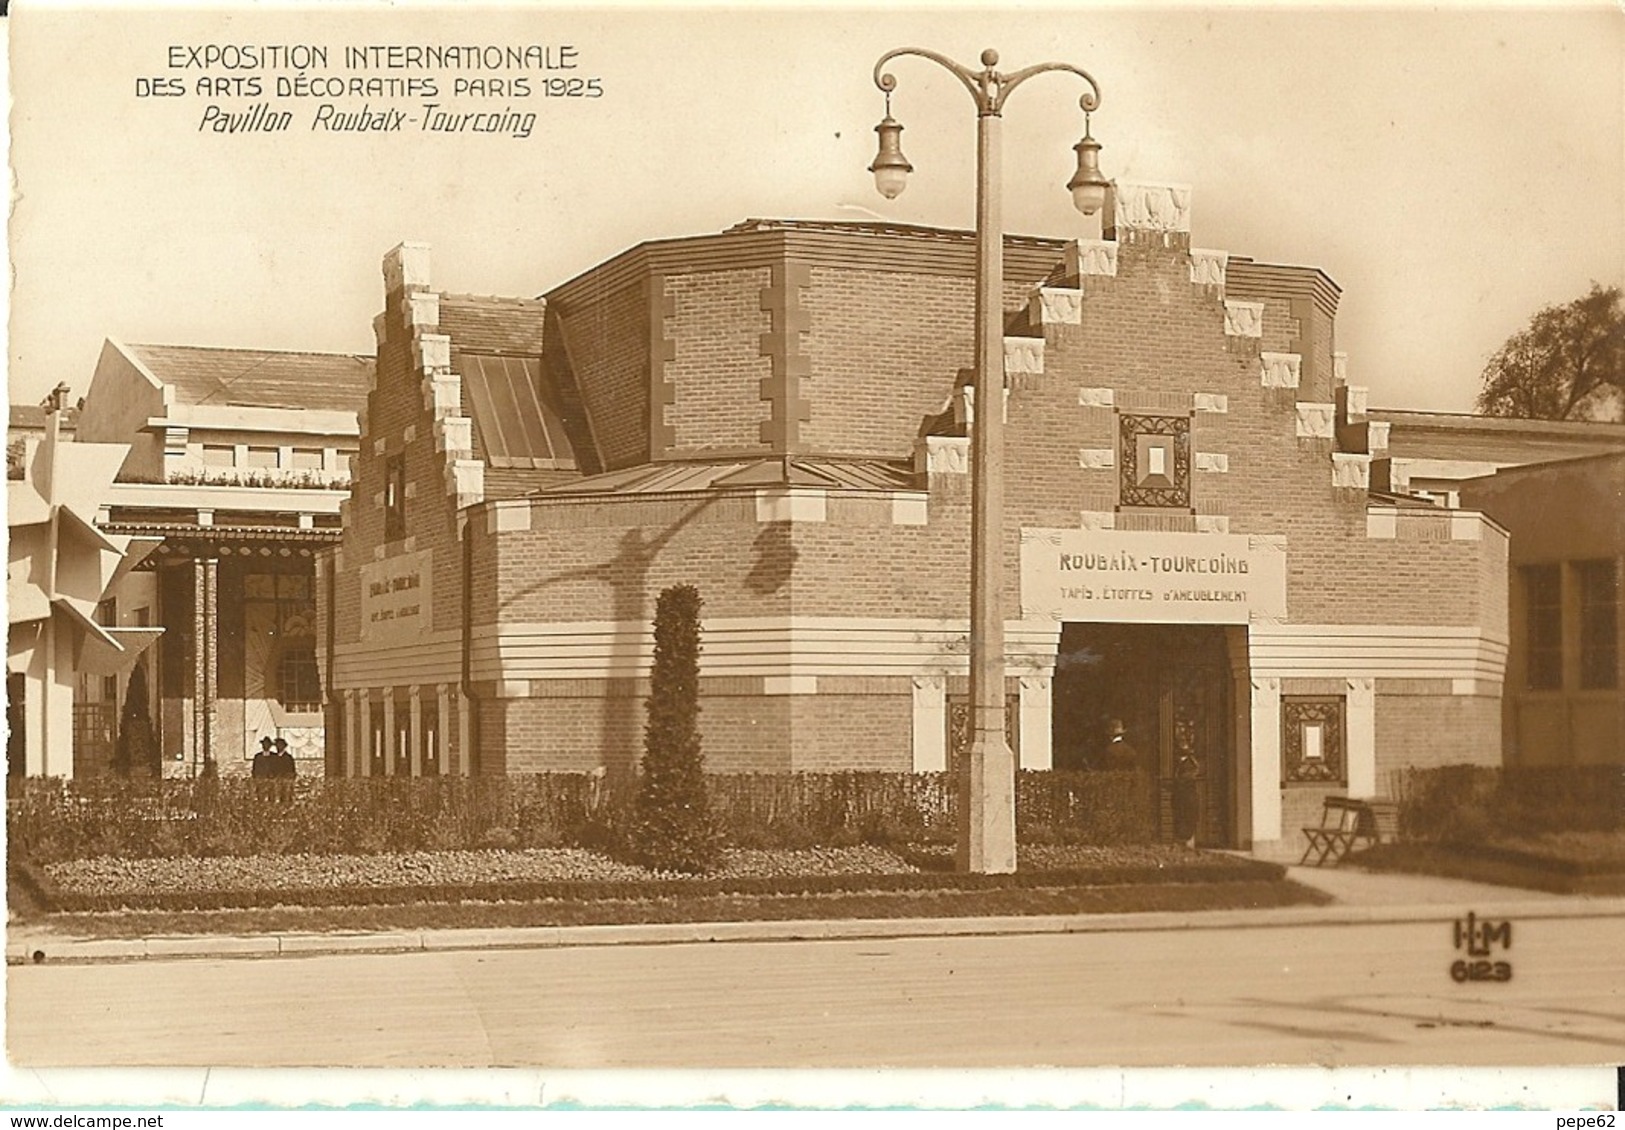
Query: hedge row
[
  {"x": 49, "y": 821},
  {"x": 1468, "y": 804},
  {"x": 1196, "y": 871}
]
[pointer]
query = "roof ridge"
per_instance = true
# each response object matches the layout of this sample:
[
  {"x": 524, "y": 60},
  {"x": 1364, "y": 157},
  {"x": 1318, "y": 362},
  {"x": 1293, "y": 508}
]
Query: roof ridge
[{"x": 366, "y": 357}]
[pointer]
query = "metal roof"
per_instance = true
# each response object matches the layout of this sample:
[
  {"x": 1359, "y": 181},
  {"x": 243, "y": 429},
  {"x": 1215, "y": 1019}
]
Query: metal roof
[
  {"x": 517, "y": 424},
  {"x": 744, "y": 474}
]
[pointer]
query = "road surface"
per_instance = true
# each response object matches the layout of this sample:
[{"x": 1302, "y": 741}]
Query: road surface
[{"x": 1328, "y": 994}]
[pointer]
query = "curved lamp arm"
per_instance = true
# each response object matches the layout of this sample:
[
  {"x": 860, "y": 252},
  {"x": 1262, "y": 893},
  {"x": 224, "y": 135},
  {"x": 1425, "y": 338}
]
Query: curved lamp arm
[{"x": 987, "y": 87}]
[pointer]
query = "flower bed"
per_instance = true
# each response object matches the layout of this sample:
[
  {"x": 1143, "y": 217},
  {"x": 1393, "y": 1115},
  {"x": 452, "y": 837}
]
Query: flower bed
[
  {"x": 108, "y": 876},
  {"x": 575, "y": 874}
]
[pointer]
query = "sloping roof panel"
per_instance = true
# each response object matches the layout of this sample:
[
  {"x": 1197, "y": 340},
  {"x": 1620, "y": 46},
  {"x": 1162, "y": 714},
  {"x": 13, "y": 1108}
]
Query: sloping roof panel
[{"x": 260, "y": 378}]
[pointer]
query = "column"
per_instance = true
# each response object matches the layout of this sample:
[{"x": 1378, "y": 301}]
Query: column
[
  {"x": 1362, "y": 736},
  {"x": 465, "y": 736},
  {"x": 1037, "y": 750},
  {"x": 442, "y": 696},
  {"x": 48, "y": 704},
  {"x": 415, "y": 722},
  {"x": 1266, "y": 695},
  {"x": 930, "y": 724},
  {"x": 355, "y": 733},
  {"x": 389, "y": 731},
  {"x": 205, "y": 629}
]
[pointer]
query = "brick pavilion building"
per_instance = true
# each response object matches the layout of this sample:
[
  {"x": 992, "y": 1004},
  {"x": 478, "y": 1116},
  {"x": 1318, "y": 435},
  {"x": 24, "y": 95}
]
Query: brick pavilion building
[{"x": 777, "y": 414}]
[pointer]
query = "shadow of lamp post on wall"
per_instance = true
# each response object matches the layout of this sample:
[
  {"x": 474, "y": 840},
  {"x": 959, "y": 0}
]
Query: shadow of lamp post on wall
[{"x": 987, "y": 801}]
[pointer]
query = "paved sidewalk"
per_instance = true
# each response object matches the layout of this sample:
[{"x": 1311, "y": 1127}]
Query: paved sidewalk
[{"x": 1366, "y": 897}]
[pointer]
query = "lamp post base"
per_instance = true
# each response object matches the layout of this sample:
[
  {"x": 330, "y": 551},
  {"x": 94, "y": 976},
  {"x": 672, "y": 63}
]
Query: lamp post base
[{"x": 987, "y": 808}]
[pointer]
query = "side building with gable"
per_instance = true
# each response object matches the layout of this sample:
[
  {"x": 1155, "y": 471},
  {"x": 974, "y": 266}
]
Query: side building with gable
[
  {"x": 238, "y": 461},
  {"x": 777, "y": 414}
]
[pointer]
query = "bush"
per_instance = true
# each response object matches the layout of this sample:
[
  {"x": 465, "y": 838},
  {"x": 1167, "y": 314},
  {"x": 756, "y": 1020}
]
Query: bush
[
  {"x": 1470, "y": 804},
  {"x": 52, "y": 820},
  {"x": 673, "y": 829}
]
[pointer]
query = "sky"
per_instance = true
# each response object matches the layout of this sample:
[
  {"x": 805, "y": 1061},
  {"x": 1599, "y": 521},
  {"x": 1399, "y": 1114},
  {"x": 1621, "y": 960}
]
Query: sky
[{"x": 1452, "y": 170}]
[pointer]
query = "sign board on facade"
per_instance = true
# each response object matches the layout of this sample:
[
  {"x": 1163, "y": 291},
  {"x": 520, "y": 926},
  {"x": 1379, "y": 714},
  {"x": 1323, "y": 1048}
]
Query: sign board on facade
[
  {"x": 396, "y": 597},
  {"x": 1152, "y": 578}
]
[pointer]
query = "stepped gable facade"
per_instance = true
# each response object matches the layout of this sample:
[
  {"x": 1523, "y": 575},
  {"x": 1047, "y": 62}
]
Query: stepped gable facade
[{"x": 777, "y": 414}]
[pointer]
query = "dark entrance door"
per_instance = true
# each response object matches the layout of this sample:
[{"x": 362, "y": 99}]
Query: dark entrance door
[{"x": 1169, "y": 684}]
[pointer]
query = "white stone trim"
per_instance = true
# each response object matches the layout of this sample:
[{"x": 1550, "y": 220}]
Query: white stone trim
[
  {"x": 443, "y": 394},
  {"x": 454, "y": 435},
  {"x": 409, "y": 433},
  {"x": 1208, "y": 267},
  {"x": 1351, "y": 471},
  {"x": 1097, "y": 458},
  {"x": 1382, "y": 524},
  {"x": 1142, "y": 206},
  {"x": 1097, "y": 397},
  {"x": 1280, "y": 370},
  {"x": 466, "y": 479},
  {"x": 1212, "y": 524},
  {"x": 1266, "y": 750},
  {"x": 1376, "y": 651},
  {"x": 1056, "y": 306},
  {"x": 1023, "y": 355},
  {"x": 1243, "y": 319},
  {"x": 790, "y": 684},
  {"x": 406, "y": 264},
  {"x": 791, "y": 504},
  {"x": 1463, "y": 686},
  {"x": 1035, "y": 715},
  {"x": 911, "y": 509},
  {"x": 431, "y": 352},
  {"x": 1356, "y": 400},
  {"x": 1213, "y": 461},
  {"x": 1211, "y": 402},
  {"x": 1340, "y": 369},
  {"x": 1360, "y": 722},
  {"x": 1098, "y": 520},
  {"x": 943, "y": 455},
  {"x": 1376, "y": 436},
  {"x": 508, "y": 516},
  {"x": 753, "y": 646},
  {"x": 1316, "y": 421},
  {"x": 1091, "y": 257},
  {"x": 930, "y": 724},
  {"x": 1466, "y": 525},
  {"x": 423, "y": 309}
]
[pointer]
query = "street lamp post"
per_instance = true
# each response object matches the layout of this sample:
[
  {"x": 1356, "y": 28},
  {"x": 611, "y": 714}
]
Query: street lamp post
[{"x": 986, "y": 783}]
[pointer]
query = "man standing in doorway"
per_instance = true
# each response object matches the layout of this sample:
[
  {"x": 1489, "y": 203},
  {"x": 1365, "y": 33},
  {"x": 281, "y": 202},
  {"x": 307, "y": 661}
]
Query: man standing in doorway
[{"x": 1121, "y": 756}]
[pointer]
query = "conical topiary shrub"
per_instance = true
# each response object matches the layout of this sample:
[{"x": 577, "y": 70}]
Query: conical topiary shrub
[
  {"x": 136, "y": 754},
  {"x": 672, "y": 829}
]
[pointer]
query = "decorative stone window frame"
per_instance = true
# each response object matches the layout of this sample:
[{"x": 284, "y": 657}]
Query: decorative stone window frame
[
  {"x": 1155, "y": 460},
  {"x": 1314, "y": 740},
  {"x": 959, "y": 723}
]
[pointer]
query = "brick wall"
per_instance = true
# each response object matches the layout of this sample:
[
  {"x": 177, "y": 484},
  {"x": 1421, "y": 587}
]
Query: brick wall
[
  {"x": 1427, "y": 731},
  {"x": 605, "y": 345},
  {"x": 714, "y": 377}
]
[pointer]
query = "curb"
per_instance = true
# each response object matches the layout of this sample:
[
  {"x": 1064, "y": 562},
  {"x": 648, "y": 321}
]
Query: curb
[{"x": 56, "y": 950}]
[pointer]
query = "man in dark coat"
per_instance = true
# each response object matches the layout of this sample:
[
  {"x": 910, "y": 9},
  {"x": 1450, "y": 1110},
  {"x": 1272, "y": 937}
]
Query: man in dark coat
[
  {"x": 265, "y": 763},
  {"x": 285, "y": 767},
  {"x": 1120, "y": 754}
]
